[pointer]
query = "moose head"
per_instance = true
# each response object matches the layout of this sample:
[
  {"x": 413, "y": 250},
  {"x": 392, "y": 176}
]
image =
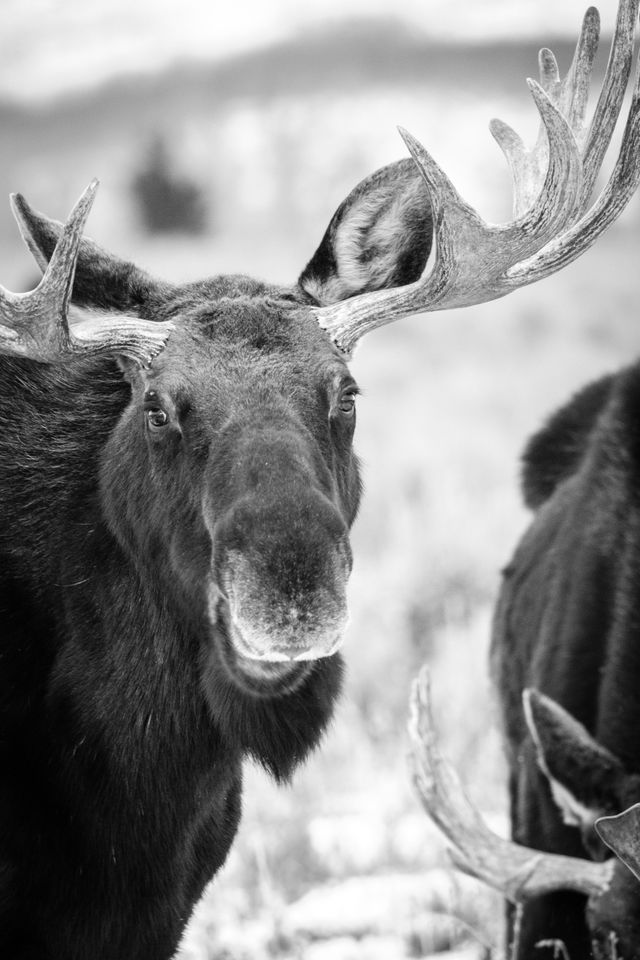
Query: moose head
[{"x": 237, "y": 439}]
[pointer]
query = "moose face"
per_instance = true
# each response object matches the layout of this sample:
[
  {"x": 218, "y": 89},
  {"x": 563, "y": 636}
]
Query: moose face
[
  {"x": 242, "y": 479},
  {"x": 230, "y": 473}
]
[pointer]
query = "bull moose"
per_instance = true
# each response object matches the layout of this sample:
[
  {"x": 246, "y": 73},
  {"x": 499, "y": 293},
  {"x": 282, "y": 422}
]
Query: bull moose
[
  {"x": 565, "y": 658},
  {"x": 177, "y": 483}
]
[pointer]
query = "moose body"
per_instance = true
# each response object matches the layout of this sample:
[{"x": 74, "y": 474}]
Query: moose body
[
  {"x": 565, "y": 659},
  {"x": 568, "y": 625}
]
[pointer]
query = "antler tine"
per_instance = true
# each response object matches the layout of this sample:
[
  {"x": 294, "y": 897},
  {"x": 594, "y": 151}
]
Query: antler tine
[
  {"x": 35, "y": 318},
  {"x": 573, "y": 94},
  {"x": 622, "y": 184},
  {"x": 35, "y": 325},
  {"x": 56, "y": 284},
  {"x": 612, "y": 93},
  {"x": 517, "y": 872},
  {"x": 475, "y": 261},
  {"x": 569, "y": 95}
]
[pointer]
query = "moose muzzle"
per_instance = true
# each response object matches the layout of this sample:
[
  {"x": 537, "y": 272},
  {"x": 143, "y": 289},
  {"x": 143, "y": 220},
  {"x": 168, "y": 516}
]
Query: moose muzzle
[{"x": 282, "y": 570}]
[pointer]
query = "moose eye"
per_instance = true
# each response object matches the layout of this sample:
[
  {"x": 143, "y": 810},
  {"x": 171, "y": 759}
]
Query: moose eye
[
  {"x": 347, "y": 403},
  {"x": 156, "y": 417}
]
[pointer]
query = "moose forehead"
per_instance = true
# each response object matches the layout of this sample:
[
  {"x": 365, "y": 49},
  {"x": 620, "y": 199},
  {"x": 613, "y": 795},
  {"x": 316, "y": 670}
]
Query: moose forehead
[{"x": 237, "y": 332}]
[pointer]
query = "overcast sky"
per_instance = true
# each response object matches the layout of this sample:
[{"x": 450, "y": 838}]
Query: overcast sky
[{"x": 50, "y": 46}]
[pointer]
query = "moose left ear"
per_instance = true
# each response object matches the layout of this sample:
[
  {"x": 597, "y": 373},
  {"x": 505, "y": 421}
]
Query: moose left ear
[
  {"x": 102, "y": 280},
  {"x": 380, "y": 236},
  {"x": 585, "y": 778}
]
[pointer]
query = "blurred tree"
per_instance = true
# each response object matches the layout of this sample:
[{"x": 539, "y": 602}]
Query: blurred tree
[{"x": 166, "y": 202}]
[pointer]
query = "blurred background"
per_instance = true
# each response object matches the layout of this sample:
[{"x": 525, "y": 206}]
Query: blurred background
[{"x": 224, "y": 137}]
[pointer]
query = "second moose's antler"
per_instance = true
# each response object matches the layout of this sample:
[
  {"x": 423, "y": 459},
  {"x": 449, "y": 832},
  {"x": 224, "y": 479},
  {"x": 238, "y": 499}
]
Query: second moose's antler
[
  {"x": 518, "y": 873},
  {"x": 553, "y": 185}
]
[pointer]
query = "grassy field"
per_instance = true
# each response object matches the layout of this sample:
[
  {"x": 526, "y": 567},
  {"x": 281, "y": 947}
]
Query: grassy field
[{"x": 343, "y": 865}]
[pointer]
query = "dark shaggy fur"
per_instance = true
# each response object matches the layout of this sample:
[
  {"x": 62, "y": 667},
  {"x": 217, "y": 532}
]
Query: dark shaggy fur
[{"x": 568, "y": 624}]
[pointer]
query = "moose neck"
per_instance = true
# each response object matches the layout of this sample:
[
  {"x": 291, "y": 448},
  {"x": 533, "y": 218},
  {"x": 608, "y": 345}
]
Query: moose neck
[{"x": 55, "y": 421}]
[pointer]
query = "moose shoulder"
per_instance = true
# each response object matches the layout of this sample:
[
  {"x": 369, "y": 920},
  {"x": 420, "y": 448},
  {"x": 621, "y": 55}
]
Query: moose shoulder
[
  {"x": 565, "y": 661},
  {"x": 567, "y": 625}
]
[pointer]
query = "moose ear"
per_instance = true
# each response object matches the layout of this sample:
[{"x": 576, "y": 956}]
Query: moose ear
[
  {"x": 380, "y": 236},
  {"x": 585, "y": 778},
  {"x": 102, "y": 281}
]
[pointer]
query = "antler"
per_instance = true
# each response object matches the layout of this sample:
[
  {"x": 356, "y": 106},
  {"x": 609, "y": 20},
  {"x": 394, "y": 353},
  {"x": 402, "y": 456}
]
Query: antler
[
  {"x": 35, "y": 325},
  {"x": 553, "y": 183},
  {"x": 517, "y": 872},
  {"x": 621, "y": 834}
]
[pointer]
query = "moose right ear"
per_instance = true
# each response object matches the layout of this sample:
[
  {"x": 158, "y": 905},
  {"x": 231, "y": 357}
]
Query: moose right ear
[
  {"x": 380, "y": 236},
  {"x": 585, "y": 778},
  {"x": 102, "y": 281}
]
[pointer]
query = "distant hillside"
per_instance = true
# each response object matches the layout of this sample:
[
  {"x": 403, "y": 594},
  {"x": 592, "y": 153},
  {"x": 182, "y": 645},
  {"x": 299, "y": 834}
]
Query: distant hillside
[
  {"x": 271, "y": 139},
  {"x": 365, "y": 53}
]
